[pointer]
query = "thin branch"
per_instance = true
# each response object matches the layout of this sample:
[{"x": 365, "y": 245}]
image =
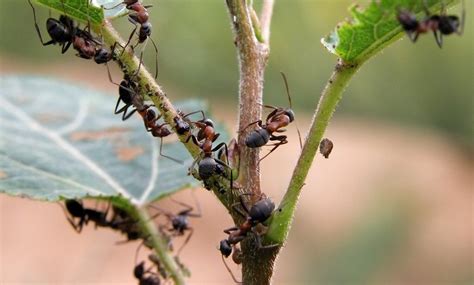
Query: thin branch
[
  {"x": 265, "y": 19},
  {"x": 160, "y": 245},
  {"x": 281, "y": 221}
]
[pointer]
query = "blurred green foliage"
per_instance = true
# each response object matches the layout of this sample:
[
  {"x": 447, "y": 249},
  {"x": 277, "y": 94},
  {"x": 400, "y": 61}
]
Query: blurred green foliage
[{"x": 416, "y": 84}]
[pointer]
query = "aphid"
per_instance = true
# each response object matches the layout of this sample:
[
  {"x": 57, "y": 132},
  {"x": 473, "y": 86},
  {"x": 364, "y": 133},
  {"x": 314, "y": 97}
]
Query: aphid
[
  {"x": 325, "y": 147},
  {"x": 275, "y": 122},
  {"x": 440, "y": 24}
]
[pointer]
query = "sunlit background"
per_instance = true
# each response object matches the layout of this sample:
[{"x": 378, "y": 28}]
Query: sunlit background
[{"x": 392, "y": 204}]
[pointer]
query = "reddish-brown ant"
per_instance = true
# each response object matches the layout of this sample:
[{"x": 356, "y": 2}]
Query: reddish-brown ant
[
  {"x": 179, "y": 222},
  {"x": 325, "y": 147},
  {"x": 441, "y": 24},
  {"x": 150, "y": 118},
  {"x": 276, "y": 120},
  {"x": 258, "y": 213},
  {"x": 207, "y": 164}
]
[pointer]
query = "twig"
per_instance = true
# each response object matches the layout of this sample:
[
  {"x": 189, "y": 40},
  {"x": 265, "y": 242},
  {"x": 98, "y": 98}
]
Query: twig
[
  {"x": 265, "y": 19},
  {"x": 332, "y": 93}
]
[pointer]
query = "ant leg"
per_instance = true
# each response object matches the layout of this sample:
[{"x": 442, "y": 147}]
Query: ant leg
[
  {"x": 259, "y": 123},
  {"x": 169, "y": 157},
  {"x": 156, "y": 57},
  {"x": 191, "y": 231},
  {"x": 275, "y": 146},
  {"x": 258, "y": 239},
  {"x": 66, "y": 47},
  {"x": 125, "y": 116},
  {"x": 463, "y": 18},
  {"x": 291, "y": 105},
  {"x": 438, "y": 38},
  {"x": 37, "y": 27},
  {"x": 76, "y": 227},
  {"x": 425, "y": 8},
  {"x": 230, "y": 271},
  {"x": 195, "y": 112},
  {"x": 229, "y": 230},
  {"x": 129, "y": 38}
]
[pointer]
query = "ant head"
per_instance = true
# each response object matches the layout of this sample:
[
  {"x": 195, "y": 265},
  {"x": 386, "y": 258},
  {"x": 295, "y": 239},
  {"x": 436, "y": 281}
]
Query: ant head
[
  {"x": 449, "y": 24},
  {"x": 225, "y": 248},
  {"x": 262, "y": 210},
  {"x": 139, "y": 270},
  {"x": 102, "y": 55},
  {"x": 290, "y": 114},
  {"x": 179, "y": 222},
  {"x": 208, "y": 122},
  {"x": 145, "y": 29}
]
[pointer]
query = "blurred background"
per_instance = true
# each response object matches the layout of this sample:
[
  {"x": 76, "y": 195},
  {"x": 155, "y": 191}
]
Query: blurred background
[{"x": 392, "y": 205}]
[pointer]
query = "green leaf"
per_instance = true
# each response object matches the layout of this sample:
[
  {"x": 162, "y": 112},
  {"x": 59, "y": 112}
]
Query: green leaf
[
  {"x": 62, "y": 141},
  {"x": 373, "y": 28},
  {"x": 81, "y": 10}
]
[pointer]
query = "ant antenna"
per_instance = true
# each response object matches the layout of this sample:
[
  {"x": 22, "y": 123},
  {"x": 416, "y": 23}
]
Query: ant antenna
[
  {"x": 463, "y": 16},
  {"x": 289, "y": 100},
  {"x": 230, "y": 271}
]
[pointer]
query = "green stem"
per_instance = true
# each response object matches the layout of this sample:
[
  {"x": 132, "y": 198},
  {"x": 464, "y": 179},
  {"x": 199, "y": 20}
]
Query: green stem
[
  {"x": 160, "y": 245},
  {"x": 332, "y": 94}
]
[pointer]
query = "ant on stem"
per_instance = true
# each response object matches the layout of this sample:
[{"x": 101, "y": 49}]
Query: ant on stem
[{"x": 276, "y": 120}]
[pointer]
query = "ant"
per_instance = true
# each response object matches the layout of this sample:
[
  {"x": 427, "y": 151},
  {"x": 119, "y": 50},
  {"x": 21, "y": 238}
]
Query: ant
[
  {"x": 150, "y": 118},
  {"x": 61, "y": 31},
  {"x": 257, "y": 214},
  {"x": 151, "y": 278},
  {"x": 442, "y": 23},
  {"x": 207, "y": 164},
  {"x": 75, "y": 209},
  {"x": 65, "y": 32},
  {"x": 325, "y": 147},
  {"x": 179, "y": 222},
  {"x": 138, "y": 16},
  {"x": 276, "y": 120}
]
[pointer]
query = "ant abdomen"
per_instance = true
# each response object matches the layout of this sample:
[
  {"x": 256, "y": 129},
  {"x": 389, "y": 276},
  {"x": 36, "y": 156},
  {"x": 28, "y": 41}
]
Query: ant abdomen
[
  {"x": 448, "y": 25},
  {"x": 261, "y": 210},
  {"x": 257, "y": 138},
  {"x": 207, "y": 167}
]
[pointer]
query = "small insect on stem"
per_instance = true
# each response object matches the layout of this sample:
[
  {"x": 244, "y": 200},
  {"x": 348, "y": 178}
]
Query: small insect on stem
[{"x": 325, "y": 147}]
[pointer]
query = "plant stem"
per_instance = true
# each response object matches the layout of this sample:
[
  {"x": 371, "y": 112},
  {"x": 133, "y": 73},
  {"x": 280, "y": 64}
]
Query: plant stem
[
  {"x": 160, "y": 245},
  {"x": 330, "y": 97},
  {"x": 265, "y": 19}
]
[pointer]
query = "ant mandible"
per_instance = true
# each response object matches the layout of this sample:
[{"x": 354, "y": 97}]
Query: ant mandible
[
  {"x": 441, "y": 24},
  {"x": 276, "y": 120},
  {"x": 180, "y": 222}
]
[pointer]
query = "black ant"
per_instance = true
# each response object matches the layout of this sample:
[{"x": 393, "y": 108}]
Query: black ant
[
  {"x": 442, "y": 23},
  {"x": 207, "y": 164},
  {"x": 276, "y": 120},
  {"x": 150, "y": 118},
  {"x": 258, "y": 213},
  {"x": 145, "y": 277},
  {"x": 179, "y": 222},
  {"x": 75, "y": 209},
  {"x": 61, "y": 31},
  {"x": 325, "y": 147}
]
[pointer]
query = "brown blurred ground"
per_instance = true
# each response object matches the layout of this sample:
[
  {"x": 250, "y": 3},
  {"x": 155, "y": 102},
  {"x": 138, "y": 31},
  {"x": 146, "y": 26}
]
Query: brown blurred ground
[{"x": 373, "y": 167}]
